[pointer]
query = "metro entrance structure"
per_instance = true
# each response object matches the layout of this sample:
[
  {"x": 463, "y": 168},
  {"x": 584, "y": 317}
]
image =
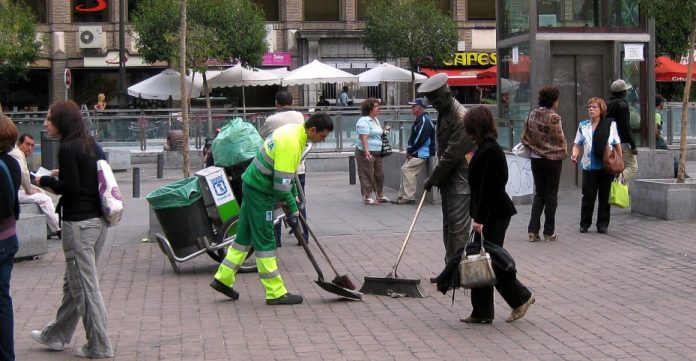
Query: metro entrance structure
[{"x": 581, "y": 46}]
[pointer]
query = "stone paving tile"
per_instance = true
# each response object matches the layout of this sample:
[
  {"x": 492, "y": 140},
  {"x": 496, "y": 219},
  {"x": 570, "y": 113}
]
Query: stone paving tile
[{"x": 626, "y": 295}]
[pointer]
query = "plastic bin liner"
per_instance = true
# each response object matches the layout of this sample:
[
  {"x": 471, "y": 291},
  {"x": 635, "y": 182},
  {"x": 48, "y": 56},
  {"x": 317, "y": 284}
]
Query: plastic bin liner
[
  {"x": 179, "y": 194},
  {"x": 237, "y": 141}
]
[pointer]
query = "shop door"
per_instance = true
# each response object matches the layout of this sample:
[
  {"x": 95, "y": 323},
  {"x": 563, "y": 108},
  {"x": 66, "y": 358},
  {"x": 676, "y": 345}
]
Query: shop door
[{"x": 579, "y": 72}]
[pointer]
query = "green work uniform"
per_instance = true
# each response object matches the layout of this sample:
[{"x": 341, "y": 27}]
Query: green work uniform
[{"x": 269, "y": 180}]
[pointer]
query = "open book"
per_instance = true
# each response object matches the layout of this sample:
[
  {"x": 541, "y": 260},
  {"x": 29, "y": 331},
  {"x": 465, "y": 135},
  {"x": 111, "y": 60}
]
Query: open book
[{"x": 41, "y": 172}]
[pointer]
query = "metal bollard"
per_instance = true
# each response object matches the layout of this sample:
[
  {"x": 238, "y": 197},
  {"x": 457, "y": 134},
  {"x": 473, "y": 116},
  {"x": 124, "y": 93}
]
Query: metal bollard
[
  {"x": 160, "y": 165},
  {"x": 351, "y": 169},
  {"x": 136, "y": 182}
]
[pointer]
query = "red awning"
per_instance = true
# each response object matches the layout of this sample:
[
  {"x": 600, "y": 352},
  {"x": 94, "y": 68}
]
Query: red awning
[
  {"x": 667, "y": 69},
  {"x": 461, "y": 77}
]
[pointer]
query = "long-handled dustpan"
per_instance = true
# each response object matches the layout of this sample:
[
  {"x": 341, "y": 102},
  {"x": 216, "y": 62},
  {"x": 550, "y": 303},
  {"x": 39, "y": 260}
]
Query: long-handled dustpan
[
  {"x": 392, "y": 285},
  {"x": 340, "y": 280},
  {"x": 327, "y": 286}
]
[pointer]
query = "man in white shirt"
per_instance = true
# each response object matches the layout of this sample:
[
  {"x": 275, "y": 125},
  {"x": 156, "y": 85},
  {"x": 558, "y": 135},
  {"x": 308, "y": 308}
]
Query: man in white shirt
[
  {"x": 285, "y": 115},
  {"x": 30, "y": 193}
]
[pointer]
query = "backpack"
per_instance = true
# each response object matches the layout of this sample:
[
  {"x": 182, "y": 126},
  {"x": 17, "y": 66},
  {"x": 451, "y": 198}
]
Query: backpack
[{"x": 109, "y": 194}]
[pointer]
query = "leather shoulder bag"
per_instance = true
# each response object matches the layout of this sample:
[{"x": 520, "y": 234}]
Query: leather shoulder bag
[{"x": 613, "y": 163}]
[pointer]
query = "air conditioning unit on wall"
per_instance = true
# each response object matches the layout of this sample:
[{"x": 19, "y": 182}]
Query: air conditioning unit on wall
[{"x": 90, "y": 37}]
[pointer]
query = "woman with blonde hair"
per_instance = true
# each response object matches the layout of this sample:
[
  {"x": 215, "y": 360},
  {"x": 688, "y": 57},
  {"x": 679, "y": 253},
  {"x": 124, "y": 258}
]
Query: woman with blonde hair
[{"x": 592, "y": 137}]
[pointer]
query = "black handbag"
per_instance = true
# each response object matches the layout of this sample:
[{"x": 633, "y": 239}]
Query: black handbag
[{"x": 386, "y": 147}]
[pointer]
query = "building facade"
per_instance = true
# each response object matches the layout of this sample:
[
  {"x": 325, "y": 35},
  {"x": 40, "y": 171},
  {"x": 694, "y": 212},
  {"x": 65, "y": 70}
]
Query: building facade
[{"x": 83, "y": 36}]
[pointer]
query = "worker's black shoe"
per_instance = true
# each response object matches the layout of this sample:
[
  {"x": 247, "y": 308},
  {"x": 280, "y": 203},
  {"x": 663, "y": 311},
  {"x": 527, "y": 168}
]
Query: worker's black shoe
[
  {"x": 227, "y": 291},
  {"x": 286, "y": 299}
]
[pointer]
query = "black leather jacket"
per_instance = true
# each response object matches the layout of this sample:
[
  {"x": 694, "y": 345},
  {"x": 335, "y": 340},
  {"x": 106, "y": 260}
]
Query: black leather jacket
[{"x": 452, "y": 171}]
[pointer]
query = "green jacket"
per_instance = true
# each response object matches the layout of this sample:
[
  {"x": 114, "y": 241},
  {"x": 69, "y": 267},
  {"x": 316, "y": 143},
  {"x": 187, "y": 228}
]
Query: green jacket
[{"x": 273, "y": 170}]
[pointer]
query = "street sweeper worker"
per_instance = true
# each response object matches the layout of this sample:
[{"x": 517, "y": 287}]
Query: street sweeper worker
[
  {"x": 452, "y": 171},
  {"x": 269, "y": 180}
]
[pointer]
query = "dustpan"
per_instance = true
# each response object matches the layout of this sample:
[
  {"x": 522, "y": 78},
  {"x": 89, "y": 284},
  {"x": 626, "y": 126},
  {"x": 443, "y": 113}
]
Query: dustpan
[{"x": 392, "y": 285}]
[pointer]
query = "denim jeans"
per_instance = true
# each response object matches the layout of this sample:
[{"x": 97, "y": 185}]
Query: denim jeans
[{"x": 8, "y": 249}]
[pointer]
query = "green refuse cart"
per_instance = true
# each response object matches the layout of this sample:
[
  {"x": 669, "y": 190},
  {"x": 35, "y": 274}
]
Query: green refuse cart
[{"x": 197, "y": 214}]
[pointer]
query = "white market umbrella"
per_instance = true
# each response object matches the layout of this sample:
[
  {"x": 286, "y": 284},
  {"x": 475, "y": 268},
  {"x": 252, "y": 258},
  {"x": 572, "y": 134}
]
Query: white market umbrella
[
  {"x": 243, "y": 77},
  {"x": 317, "y": 72},
  {"x": 388, "y": 73},
  {"x": 166, "y": 84}
]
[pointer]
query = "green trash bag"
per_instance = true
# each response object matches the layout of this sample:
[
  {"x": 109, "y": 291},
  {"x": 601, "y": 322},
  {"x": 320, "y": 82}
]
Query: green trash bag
[
  {"x": 237, "y": 141},
  {"x": 179, "y": 194}
]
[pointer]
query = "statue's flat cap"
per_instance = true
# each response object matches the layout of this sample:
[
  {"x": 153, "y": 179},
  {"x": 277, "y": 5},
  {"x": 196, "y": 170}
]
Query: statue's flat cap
[{"x": 433, "y": 83}]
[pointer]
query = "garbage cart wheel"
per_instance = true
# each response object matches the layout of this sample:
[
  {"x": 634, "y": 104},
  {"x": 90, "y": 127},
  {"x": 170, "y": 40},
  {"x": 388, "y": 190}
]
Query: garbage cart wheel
[{"x": 226, "y": 231}]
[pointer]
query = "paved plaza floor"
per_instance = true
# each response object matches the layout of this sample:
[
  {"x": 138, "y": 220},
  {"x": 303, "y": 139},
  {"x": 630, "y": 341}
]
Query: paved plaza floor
[{"x": 629, "y": 294}]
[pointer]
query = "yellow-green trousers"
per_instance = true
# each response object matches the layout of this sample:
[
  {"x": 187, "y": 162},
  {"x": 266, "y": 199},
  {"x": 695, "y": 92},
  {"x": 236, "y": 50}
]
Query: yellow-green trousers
[{"x": 255, "y": 229}]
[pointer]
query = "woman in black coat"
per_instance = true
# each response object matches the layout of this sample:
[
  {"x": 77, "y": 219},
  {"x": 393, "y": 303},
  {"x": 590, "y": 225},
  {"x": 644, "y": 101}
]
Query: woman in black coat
[{"x": 491, "y": 210}]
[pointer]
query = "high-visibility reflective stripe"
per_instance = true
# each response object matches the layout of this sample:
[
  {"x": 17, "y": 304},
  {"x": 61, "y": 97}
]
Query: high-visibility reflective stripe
[
  {"x": 283, "y": 187},
  {"x": 275, "y": 273},
  {"x": 262, "y": 168},
  {"x": 270, "y": 277},
  {"x": 240, "y": 248},
  {"x": 230, "y": 265},
  {"x": 267, "y": 157},
  {"x": 265, "y": 254},
  {"x": 284, "y": 175}
]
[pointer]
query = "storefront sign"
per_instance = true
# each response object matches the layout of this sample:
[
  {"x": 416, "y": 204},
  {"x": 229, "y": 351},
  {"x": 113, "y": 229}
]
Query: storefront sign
[
  {"x": 471, "y": 59},
  {"x": 277, "y": 59},
  {"x": 92, "y": 7},
  {"x": 111, "y": 60}
]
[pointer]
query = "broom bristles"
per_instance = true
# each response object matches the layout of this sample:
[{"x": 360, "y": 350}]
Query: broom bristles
[{"x": 345, "y": 282}]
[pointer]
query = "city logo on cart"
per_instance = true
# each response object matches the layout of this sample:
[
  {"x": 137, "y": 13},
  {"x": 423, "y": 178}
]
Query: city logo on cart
[{"x": 219, "y": 185}]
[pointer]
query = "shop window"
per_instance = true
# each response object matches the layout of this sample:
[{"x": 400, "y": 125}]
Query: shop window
[
  {"x": 271, "y": 9},
  {"x": 514, "y": 103},
  {"x": 633, "y": 72},
  {"x": 480, "y": 10},
  {"x": 589, "y": 13},
  {"x": 91, "y": 11},
  {"x": 514, "y": 17},
  {"x": 321, "y": 10},
  {"x": 38, "y": 7}
]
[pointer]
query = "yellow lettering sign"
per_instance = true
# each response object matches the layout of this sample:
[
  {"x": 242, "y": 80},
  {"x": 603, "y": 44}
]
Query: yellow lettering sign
[{"x": 463, "y": 59}]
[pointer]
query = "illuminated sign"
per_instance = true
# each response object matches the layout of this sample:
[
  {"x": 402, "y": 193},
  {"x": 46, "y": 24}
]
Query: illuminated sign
[
  {"x": 471, "y": 59},
  {"x": 91, "y": 6}
]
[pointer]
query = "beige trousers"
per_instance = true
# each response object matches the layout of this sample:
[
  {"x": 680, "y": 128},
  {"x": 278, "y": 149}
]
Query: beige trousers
[
  {"x": 409, "y": 177},
  {"x": 630, "y": 162}
]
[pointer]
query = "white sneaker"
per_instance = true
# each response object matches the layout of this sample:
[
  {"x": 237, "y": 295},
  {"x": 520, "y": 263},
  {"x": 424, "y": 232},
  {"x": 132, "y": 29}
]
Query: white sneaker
[
  {"x": 84, "y": 352},
  {"x": 53, "y": 345}
]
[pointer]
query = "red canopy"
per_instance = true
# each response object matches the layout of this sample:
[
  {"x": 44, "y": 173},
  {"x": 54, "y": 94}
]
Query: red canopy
[
  {"x": 667, "y": 69},
  {"x": 461, "y": 77}
]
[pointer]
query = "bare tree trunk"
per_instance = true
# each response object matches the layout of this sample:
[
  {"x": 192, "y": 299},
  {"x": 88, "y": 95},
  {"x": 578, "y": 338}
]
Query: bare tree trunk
[
  {"x": 184, "y": 89},
  {"x": 207, "y": 104},
  {"x": 0, "y": 107},
  {"x": 685, "y": 108}
]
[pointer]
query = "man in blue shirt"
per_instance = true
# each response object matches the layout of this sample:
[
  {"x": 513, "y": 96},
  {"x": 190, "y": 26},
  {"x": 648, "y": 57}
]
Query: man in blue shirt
[{"x": 421, "y": 146}]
